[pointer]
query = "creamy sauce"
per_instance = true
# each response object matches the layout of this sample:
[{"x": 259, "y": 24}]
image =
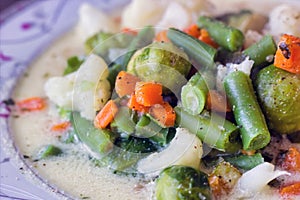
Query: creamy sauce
[{"x": 74, "y": 173}]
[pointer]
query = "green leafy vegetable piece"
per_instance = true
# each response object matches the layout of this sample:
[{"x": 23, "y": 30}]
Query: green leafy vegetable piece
[
  {"x": 181, "y": 182},
  {"x": 73, "y": 64}
]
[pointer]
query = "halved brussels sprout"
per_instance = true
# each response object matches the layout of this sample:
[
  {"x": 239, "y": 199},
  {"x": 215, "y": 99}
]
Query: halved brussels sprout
[{"x": 279, "y": 94}]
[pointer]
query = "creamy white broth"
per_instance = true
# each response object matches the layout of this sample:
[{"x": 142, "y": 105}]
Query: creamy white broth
[{"x": 74, "y": 173}]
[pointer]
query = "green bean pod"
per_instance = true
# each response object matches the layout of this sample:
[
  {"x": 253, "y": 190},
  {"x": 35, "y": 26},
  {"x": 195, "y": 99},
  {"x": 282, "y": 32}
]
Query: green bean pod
[
  {"x": 227, "y": 37},
  {"x": 201, "y": 54},
  {"x": 260, "y": 51},
  {"x": 214, "y": 130},
  {"x": 98, "y": 141},
  {"x": 245, "y": 162},
  {"x": 247, "y": 112}
]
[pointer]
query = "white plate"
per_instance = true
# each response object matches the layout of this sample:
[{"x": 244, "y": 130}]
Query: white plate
[{"x": 27, "y": 28}]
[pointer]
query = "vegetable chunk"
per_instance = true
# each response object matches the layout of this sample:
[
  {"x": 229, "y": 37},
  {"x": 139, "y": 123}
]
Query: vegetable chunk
[
  {"x": 288, "y": 54},
  {"x": 181, "y": 182}
]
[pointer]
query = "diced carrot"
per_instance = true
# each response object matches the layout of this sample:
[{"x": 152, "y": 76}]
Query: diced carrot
[
  {"x": 293, "y": 189},
  {"x": 204, "y": 37},
  {"x": 291, "y": 160},
  {"x": 288, "y": 54},
  {"x": 162, "y": 36},
  {"x": 193, "y": 30},
  {"x": 32, "y": 104},
  {"x": 106, "y": 115},
  {"x": 129, "y": 31},
  {"x": 133, "y": 104},
  {"x": 60, "y": 127},
  {"x": 125, "y": 83},
  {"x": 217, "y": 102},
  {"x": 164, "y": 114},
  {"x": 148, "y": 93}
]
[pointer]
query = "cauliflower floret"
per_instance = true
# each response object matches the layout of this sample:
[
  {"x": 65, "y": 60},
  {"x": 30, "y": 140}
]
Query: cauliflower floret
[
  {"x": 175, "y": 16},
  {"x": 284, "y": 19},
  {"x": 92, "y": 20},
  {"x": 60, "y": 90},
  {"x": 184, "y": 149},
  {"x": 178, "y": 13},
  {"x": 86, "y": 90},
  {"x": 141, "y": 12},
  {"x": 244, "y": 66}
]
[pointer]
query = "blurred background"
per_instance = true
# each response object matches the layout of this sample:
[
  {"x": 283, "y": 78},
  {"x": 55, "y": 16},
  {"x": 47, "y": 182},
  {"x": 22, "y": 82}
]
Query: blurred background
[{"x": 6, "y": 3}]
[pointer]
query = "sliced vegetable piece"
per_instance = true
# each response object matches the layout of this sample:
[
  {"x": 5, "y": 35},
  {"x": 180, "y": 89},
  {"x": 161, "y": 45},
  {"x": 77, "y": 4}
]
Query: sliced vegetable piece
[
  {"x": 245, "y": 162},
  {"x": 184, "y": 149},
  {"x": 227, "y": 37},
  {"x": 133, "y": 104},
  {"x": 181, "y": 182},
  {"x": 262, "y": 174},
  {"x": 201, "y": 54},
  {"x": 214, "y": 130},
  {"x": 148, "y": 93},
  {"x": 106, "y": 115},
  {"x": 60, "y": 127},
  {"x": 223, "y": 179},
  {"x": 31, "y": 104},
  {"x": 125, "y": 83},
  {"x": 194, "y": 94},
  {"x": 288, "y": 54},
  {"x": 247, "y": 112},
  {"x": 193, "y": 30},
  {"x": 263, "y": 51},
  {"x": 164, "y": 114}
]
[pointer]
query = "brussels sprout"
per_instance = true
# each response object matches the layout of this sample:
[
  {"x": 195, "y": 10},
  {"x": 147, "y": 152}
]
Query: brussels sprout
[
  {"x": 161, "y": 62},
  {"x": 279, "y": 94},
  {"x": 181, "y": 182}
]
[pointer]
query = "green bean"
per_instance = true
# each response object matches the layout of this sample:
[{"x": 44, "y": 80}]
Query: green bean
[
  {"x": 246, "y": 110},
  {"x": 214, "y": 130},
  {"x": 262, "y": 50},
  {"x": 147, "y": 128},
  {"x": 201, "y": 54},
  {"x": 227, "y": 37},
  {"x": 99, "y": 141},
  {"x": 245, "y": 162},
  {"x": 194, "y": 94},
  {"x": 48, "y": 151},
  {"x": 123, "y": 122}
]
